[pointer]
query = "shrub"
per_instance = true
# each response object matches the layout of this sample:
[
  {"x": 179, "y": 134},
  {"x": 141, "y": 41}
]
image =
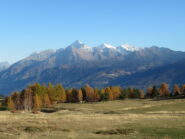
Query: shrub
[
  {"x": 4, "y": 108},
  {"x": 49, "y": 110}
]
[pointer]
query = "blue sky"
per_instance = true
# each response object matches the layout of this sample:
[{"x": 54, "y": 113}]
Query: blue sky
[{"x": 27, "y": 26}]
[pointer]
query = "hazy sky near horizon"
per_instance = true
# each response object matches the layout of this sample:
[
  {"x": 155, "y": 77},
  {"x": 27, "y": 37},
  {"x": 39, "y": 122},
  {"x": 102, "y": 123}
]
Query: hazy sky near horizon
[{"x": 27, "y": 26}]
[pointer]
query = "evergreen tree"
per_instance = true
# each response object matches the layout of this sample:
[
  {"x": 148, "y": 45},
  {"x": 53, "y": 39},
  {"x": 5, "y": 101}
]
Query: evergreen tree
[
  {"x": 103, "y": 96},
  {"x": 183, "y": 89},
  {"x": 124, "y": 93},
  {"x": 84, "y": 93},
  {"x": 154, "y": 92},
  {"x": 69, "y": 95},
  {"x": 131, "y": 93},
  {"x": 76, "y": 95},
  {"x": 148, "y": 93}
]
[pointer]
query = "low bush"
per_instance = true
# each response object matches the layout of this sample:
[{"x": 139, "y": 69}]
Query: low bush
[
  {"x": 49, "y": 110},
  {"x": 4, "y": 108}
]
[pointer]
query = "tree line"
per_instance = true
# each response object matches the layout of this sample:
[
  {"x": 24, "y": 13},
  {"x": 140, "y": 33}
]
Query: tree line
[{"x": 38, "y": 96}]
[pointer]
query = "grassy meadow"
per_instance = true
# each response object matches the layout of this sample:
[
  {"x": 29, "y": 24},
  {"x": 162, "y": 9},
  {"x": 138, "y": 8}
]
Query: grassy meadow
[{"x": 124, "y": 119}]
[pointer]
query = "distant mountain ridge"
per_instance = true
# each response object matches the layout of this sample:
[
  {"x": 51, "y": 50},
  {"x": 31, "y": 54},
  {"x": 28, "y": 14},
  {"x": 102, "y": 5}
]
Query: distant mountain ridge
[
  {"x": 4, "y": 66},
  {"x": 79, "y": 64}
]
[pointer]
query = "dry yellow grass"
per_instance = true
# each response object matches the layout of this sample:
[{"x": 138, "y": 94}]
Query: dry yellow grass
[{"x": 146, "y": 118}]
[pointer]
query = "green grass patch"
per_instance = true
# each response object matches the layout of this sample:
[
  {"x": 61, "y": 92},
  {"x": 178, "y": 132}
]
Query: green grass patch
[{"x": 161, "y": 132}]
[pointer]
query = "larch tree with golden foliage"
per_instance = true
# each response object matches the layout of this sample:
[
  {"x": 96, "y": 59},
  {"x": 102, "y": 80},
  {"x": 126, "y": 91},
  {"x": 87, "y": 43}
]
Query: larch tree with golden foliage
[
  {"x": 16, "y": 100},
  {"x": 164, "y": 90},
  {"x": 27, "y": 99},
  {"x": 116, "y": 91},
  {"x": 9, "y": 103},
  {"x": 60, "y": 94},
  {"x": 89, "y": 94},
  {"x": 36, "y": 102},
  {"x": 46, "y": 101},
  {"x": 97, "y": 94},
  {"x": 50, "y": 90},
  {"x": 176, "y": 90},
  {"x": 109, "y": 92}
]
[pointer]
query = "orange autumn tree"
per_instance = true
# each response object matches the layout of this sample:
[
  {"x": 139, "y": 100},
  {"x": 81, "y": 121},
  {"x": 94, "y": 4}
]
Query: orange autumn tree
[
  {"x": 89, "y": 94},
  {"x": 26, "y": 97},
  {"x": 50, "y": 90},
  {"x": 9, "y": 103},
  {"x": 176, "y": 90},
  {"x": 164, "y": 90},
  {"x": 37, "y": 96},
  {"x": 36, "y": 102},
  {"x": 109, "y": 93},
  {"x": 16, "y": 100},
  {"x": 116, "y": 92},
  {"x": 46, "y": 101}
]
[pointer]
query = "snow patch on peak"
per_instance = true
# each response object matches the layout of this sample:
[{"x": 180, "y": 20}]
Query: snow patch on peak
[
  {"x": 104, "y": 45},
  {"x": 79, "y": 45},
  {"x": 127, "y": 47}
]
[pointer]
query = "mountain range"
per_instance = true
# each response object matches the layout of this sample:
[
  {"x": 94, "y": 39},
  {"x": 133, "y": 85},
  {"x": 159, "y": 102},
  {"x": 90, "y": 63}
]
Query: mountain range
[
  {"x": 79, "y": 64},
  {"x": 4, "y": 65}
]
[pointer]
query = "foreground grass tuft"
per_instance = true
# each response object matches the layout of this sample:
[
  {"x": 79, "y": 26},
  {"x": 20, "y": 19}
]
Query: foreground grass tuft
[
  {"x": 32, "y": 129},
  {"x": 115, "y": 132}
]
